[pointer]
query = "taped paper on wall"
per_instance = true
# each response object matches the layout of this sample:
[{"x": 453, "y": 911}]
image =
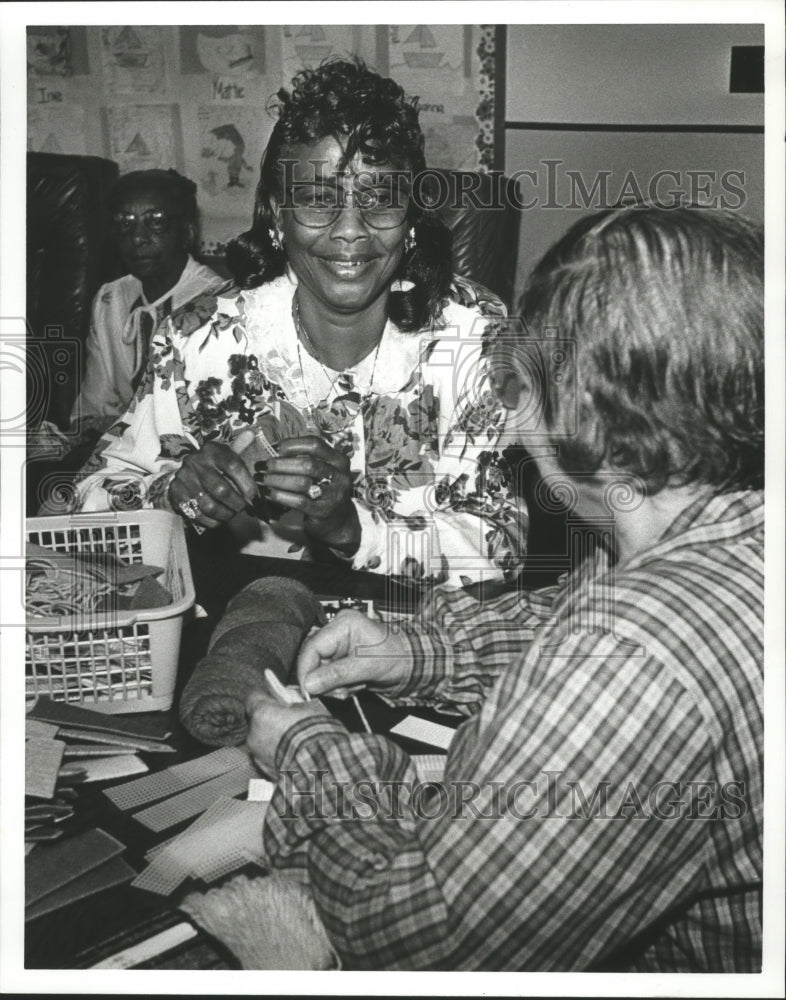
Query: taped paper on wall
[
  {"x": 132, "y": 58},
  {"x": 306, "y": 45},
  {"x": 58, "y": 129},
  {"x": 56, "y": 51},
  {"x": 225, "y": 50},
  {"x": 431, "y": 58},
  {"x": 231, "y": 141},
  {"x": 143, "y": 136}
]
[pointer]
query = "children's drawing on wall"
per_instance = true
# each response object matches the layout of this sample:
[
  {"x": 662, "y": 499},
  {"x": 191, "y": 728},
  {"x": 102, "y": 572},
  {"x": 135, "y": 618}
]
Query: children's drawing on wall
[
  {"x": 133, "y": 60},
  {"x": 56, "y": 51},
  {"x": 440, "y": 64},
  {"x": 308, "y": 44},
  {"x": 450, "y": 141},
  {"x": 224, "y": 50},
  {"x": 142, "y": 137},
  {"x": 57, "y": 129},
  {"x": 234, "y": 55},
  {"x": 431, "y": 58},
  {"x": 230, "y": 149},
  {"x": 232, "y": 141},
  {"x": 49, "y": 52}
]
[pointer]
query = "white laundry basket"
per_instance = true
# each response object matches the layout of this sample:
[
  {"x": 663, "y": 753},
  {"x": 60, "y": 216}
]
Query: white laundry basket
[{"x": 122, "y": 661}]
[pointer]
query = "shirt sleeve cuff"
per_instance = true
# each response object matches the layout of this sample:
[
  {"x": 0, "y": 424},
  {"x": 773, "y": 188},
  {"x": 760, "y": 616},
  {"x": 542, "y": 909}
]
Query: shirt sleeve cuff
[
  {"x": 319, "y": 726},
  {"x": 430, "y": 662}
]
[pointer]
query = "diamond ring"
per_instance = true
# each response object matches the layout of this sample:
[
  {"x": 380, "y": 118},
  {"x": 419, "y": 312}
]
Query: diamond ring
[
  {"x": 191, "y": 507},
  {"x": 315, "y": 491}
]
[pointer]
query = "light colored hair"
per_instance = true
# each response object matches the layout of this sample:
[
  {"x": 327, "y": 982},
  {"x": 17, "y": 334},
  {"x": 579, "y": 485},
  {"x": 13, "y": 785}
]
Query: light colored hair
[{"x": 665, "y": 308}]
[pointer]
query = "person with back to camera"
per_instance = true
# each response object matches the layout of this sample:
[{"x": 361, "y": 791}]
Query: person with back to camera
[
  {"x": 154, "y": 222},
  {"x": 601, "y": 806},
  {"x": 311, "y": 407}
]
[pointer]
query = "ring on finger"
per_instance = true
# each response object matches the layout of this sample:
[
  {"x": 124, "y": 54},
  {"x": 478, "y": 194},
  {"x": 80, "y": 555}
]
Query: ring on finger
[
  {"x": 314, "y": 491},
  {"x": 190, "y": 508}
]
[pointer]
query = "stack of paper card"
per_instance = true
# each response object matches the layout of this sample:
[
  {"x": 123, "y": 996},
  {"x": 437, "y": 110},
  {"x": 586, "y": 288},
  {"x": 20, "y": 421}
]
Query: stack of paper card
[
  {"x": 72, "y": 869},
  {"x": 185, "y": 790},
  {"x": 176, "y": 779},
  {"x": 227, "y": 833},
  {"x": 45, "y": 767},
  {"x": 227, "y": 836},
  {"x": 68, "y": 742},
  {"x": 42, "y": 764},
  {"x": 88, "y": 726},
  {"x": 68, "y": 745}
]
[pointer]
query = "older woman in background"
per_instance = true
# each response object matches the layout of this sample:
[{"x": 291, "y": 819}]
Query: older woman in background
[
  {"x": 154, "y": 221},
  {"x": 343, "y": 369}
]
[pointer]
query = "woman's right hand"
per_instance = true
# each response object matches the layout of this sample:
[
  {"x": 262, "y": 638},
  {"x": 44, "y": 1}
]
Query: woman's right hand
[
  {"x": 352, "y": 652},
  {"x": 217, "y": 479}
]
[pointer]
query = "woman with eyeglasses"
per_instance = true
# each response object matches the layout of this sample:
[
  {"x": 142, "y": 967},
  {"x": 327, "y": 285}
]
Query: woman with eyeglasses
[
  {"x": 154, "y": 221},
  {"x": 332, "y": 404}
]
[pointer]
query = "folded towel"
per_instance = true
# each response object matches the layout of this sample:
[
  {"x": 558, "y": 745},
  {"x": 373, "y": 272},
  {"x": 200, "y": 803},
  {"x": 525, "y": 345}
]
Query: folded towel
[{"x": 263, "y": 628}]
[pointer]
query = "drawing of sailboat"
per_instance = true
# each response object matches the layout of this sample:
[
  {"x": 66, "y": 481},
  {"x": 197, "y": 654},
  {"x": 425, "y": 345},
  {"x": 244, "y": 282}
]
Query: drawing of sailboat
[
  {"x": 423, "y": 57},
  {"x": 311, "y": 51},
  {"x": 129, "y": 51}
]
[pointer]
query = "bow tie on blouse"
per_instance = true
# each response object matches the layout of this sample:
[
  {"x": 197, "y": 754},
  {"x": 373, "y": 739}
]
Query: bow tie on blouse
[{"x": 140, "y": 326}]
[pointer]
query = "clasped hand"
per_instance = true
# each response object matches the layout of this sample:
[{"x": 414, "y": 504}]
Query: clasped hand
[
  {"x": 268, "y": 721},
  {"x": 349, "y": 653},
  {"x": 220, "y": 485}
]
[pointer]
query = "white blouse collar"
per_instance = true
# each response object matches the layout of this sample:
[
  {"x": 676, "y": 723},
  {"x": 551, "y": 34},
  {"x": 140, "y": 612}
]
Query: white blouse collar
[{"x": 272, "y": 336}]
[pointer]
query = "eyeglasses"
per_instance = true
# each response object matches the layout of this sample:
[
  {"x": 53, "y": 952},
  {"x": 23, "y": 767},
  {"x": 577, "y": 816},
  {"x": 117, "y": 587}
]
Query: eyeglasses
[
  {"x": 319, "y": 207},
  {"x": 153, "y": 220}
]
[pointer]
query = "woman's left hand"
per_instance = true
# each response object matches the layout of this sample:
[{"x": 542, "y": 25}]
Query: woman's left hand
[{"x": 311, "y": 476}]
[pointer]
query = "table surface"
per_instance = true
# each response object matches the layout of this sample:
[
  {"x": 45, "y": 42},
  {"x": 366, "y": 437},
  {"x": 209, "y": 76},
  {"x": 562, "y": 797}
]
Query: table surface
[{"x": 88, "y": 930}]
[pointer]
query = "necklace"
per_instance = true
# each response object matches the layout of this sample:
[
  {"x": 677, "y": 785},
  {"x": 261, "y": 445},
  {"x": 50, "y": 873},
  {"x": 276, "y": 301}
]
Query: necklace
[{"x": 302, "y": 332}]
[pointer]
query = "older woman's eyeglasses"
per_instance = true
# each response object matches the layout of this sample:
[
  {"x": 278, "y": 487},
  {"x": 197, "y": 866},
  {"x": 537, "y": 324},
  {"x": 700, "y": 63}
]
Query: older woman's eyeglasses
[
  {"x": 319, "y": 206},
  {"x": 153, "y": 220}
]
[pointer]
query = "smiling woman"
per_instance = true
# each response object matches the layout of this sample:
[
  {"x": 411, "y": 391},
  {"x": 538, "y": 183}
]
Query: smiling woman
[{"x": 333, "y": 402}]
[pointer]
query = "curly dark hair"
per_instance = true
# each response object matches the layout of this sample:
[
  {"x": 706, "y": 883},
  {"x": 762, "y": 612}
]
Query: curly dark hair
[
  {"x": 666, "y": 311},
  {"x": 370, "y": 115}
]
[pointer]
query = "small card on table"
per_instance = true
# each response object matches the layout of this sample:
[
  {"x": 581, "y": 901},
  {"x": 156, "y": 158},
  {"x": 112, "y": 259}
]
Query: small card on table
[{"x": 424, "y": 731}]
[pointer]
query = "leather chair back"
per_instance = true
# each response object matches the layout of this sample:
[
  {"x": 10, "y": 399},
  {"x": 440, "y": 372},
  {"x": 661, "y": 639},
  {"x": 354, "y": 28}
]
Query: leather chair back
[
  {"x": 485, "y": 227},
  {"x": 68, "y": 258}
]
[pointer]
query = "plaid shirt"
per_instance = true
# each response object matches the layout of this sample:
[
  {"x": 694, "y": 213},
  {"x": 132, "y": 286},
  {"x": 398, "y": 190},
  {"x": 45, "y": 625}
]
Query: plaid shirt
[{"x": 616, "y": 812}]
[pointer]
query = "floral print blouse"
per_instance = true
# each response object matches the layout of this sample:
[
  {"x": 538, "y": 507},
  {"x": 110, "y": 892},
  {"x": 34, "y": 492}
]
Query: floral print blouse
[{"x": 416, "y": 418}]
